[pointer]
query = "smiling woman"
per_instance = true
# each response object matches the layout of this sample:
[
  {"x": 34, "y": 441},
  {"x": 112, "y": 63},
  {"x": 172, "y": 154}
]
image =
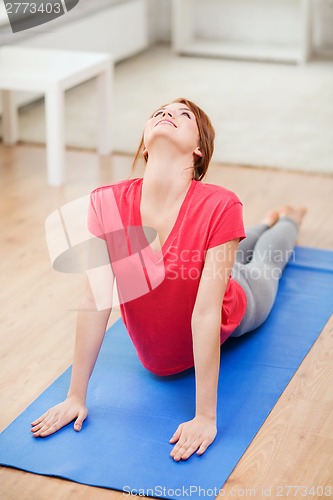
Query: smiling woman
[
  {"x": 183, "y": 294},
  {"x": 183, "y": 136},
  {"x": 206, "y": 137}
]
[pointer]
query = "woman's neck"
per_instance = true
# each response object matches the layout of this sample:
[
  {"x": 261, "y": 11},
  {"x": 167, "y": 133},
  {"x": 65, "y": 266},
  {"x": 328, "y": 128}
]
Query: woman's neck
[{"x": 167, "y": 178}]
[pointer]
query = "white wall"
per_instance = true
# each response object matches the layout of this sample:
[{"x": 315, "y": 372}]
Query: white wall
[
  {"x": 120, "y": 30},
  {"x": 159, "y": 20}
]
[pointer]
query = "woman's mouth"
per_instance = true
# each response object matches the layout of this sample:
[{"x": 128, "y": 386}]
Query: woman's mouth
[{"x": 165, "y": 122}]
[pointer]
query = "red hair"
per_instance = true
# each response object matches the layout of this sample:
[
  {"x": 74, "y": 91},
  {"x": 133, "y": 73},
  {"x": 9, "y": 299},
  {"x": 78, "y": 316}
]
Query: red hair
[{"x": 206, "y": 140}]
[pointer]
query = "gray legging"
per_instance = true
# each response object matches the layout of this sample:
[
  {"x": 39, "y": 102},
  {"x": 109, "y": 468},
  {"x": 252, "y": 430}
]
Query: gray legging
[{"x": 260, "y": 260}]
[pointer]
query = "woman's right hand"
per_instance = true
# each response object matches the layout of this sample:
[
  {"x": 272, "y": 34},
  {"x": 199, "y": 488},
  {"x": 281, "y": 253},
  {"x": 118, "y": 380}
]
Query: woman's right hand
[{"x": 60, "y": 415}]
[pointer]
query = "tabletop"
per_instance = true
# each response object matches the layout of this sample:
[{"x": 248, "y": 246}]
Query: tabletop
[{"x": 35, "y": 68}]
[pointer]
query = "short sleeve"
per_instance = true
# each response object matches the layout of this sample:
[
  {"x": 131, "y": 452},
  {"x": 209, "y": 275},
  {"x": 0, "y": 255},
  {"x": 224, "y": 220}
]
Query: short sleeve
[
  {"x": 227, "y": 226},
  {"x": 93, "y": 221}
]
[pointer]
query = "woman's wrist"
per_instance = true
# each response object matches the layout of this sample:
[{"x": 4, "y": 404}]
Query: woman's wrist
[
  {"x": 74, "y": 395},
  {"x": 207, "y": 414}
]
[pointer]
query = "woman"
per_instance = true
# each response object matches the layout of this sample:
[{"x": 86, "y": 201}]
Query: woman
[{"x": 181, "y": 320}]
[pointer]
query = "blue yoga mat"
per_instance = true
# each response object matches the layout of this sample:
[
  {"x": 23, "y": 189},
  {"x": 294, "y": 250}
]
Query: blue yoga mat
[{"x": 124, "y": 443}]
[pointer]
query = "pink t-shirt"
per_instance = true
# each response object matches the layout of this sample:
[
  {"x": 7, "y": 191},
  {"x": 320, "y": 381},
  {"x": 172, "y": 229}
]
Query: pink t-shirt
[{"x": 157, "y": 289}]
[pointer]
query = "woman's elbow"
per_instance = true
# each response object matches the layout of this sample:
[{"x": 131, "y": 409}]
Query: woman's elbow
[{"x": 211, "y": 317}]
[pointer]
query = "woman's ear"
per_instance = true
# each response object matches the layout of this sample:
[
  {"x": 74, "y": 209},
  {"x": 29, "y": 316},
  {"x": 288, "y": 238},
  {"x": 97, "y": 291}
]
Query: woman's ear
[
  {"x": 145, "y": 152},
  {"x": 197, "y": 152}
]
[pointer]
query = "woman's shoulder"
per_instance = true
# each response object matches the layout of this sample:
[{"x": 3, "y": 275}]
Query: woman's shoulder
[
  {"x": 117, "y": 187},
  {"x": 218, "y": 193}
]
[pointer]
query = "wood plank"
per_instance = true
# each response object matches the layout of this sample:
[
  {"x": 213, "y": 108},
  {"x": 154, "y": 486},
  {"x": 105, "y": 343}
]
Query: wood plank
[{"x": 293, "y": 447}]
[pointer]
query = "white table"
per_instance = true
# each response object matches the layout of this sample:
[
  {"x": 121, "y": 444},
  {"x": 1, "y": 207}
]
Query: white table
[{"x": 52, "y": 72}]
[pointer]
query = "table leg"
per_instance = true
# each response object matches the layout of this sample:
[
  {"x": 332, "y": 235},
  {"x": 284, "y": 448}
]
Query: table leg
[
  {"x": 104, "y": 97},
  {"x": 9, "y": 118},
  {"x": 55, "y": 147}
]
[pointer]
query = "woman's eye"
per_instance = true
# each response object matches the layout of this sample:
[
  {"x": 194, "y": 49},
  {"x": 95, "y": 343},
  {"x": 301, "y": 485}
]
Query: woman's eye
[
  {"x": 157, "y": 114},
  {"x": 186, "y": 114}
]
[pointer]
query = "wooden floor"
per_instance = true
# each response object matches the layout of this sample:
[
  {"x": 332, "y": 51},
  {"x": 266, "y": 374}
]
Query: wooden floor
[{"x": 294, "y": 447}]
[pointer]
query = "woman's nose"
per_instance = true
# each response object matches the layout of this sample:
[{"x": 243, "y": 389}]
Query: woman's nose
[{"x": 167, "y": 112}]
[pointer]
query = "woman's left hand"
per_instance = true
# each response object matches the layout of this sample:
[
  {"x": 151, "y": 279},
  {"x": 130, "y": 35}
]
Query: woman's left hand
[{"x": 193, "y": 436}]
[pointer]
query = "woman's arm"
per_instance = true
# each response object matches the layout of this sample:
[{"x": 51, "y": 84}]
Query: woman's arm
[
  {"x": 92, "y": 322},
  {"x": 91, "y": 326},
  {"x": 197, "y": 434}
]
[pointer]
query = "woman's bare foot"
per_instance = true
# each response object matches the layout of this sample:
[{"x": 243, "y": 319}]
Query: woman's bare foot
[
  {"x": 271, "y": 218},
  {"x": 293, "y": 213}
]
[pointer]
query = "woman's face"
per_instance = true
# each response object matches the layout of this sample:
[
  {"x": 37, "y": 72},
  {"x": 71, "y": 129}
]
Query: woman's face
[{"x": 175, "y": 123}]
